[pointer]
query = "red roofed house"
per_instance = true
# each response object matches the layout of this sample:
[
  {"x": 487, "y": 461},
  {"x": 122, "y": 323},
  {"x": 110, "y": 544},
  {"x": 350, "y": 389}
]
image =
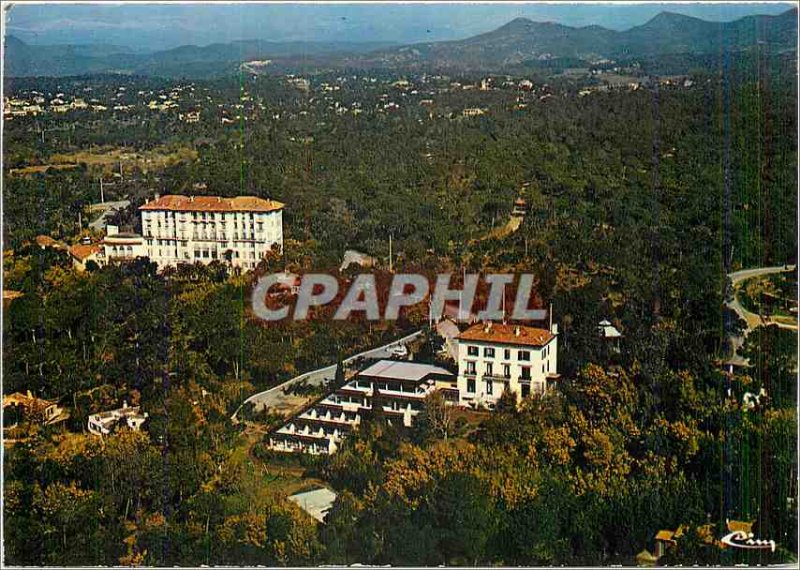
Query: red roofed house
[
  {"x": 494, "y": 357},
  {"x": 82, "y": 253},
  {"x": 187, "y": 229}
]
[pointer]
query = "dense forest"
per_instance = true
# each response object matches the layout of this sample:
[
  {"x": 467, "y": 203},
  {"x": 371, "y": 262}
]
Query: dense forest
[{"x": 640, "y": 202}]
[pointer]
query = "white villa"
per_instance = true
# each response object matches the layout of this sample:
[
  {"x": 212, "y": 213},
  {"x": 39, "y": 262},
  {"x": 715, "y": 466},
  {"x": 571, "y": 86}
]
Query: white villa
[
  {"x": 495, "y": 357},
  {"x": 104, "y": 423}
]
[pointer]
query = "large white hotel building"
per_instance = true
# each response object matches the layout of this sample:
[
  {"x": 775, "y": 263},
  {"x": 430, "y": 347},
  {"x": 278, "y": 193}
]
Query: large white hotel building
[{"x": 187, "y": 229}]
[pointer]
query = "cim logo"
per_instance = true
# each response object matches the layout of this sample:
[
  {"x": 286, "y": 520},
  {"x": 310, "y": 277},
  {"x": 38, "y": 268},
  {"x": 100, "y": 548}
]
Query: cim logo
[{"x": 745, "y": 540}]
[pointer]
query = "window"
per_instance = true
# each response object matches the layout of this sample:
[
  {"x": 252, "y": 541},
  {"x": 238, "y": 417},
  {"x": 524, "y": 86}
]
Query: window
[
  {"x": 488, "y": 352},
  {"x": 470, "y": 368},
  {"x": 526, "y": 390},
  {"x": 507, "y": 354},
  {"x": 489, "y": 369},
  {"x": 488, "y": 386},
  {"x": 526, "y": 373},
  {"x": 472, "y": 350},
  {"x": 524, "y": 355},
  {"x": 506, "y": 371},
  {"x": 471, "y": 385},
  {"x": 542, "y": 368}
]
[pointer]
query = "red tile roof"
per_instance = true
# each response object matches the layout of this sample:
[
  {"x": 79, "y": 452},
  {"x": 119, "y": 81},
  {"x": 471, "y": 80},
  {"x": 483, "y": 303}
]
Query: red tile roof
[
  {"x": 212, "y": 204},
  {"x": 82, "y": 252},
  {"x": 507, "y": 334}
]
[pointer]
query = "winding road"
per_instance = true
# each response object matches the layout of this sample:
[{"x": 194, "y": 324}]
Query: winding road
[{"x": 752, "y": 319}]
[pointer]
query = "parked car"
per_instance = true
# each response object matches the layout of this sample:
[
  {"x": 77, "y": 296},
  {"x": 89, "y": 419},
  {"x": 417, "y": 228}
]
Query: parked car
[{"x": 399, "y": 351}]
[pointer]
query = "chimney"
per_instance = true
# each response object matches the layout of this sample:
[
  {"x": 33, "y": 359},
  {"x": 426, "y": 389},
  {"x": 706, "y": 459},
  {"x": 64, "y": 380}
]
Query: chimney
[
  {"x": 219, "y": 199},
  {"x": 158, "y": 195},
  {"x": 554, "y": 328},
  {"x": 487, "y": 327},
  {"x": 191, "y": 198},
  {"x": 516, "y": 331},
  {"x": 147, "y": 200}
]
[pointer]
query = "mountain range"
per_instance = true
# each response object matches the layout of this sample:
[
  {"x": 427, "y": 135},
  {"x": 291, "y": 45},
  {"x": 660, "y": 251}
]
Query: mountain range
[
  {"x": 667, "y": 33},
  {"x": 516, "y": 42}
]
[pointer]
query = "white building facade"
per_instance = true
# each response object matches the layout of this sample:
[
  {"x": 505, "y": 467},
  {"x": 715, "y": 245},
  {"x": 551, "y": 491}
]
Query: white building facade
[
  {"x": 394, "y": 390},
  {"x": 122, "y": 246},
  {"x": 187, "y": 229},
  {"x": 493, "y": 358}
]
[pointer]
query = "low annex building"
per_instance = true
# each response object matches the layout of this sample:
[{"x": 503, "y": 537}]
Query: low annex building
[
  {"x": 497, "y": 357},
  {"x": 122, "y": 246},
  {"x": 392, "y": 389}
]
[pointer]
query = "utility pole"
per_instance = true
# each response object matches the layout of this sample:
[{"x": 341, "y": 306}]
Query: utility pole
[
  {"x": 102, "y": 196},
  {"x": 390, "y": 253}
]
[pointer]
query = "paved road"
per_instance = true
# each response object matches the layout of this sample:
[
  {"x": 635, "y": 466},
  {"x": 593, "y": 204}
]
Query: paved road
[
  {"x": 105, "y": 209},
  {"x": 752, "y": 319},
  {"x": 275, "y": 398}
]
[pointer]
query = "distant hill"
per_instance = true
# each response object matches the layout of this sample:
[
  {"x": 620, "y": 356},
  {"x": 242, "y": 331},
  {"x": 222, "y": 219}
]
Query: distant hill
[
  {"x": 524, "y": 40},
  {"x": 516, "y": 42},
  {"x": 26, "y": 60}
]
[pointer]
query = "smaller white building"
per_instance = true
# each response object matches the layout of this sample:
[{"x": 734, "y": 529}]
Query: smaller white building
[
  {"x": 493, "y": 358},
  {"x": 609, "y": 334},
  {"x": 122, "y": 246},
  {"x": 104, "y": 423}
]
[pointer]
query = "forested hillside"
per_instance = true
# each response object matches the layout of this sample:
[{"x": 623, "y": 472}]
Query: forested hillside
[{"x": 640, "y": 200}]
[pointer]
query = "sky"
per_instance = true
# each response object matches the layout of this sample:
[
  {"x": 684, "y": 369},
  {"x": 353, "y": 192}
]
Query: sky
[{"x": 161, "y": 26}]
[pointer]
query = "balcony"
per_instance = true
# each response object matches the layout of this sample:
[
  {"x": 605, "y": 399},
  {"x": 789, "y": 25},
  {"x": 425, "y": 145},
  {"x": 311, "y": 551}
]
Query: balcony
[{"x": 497, "y": 377}]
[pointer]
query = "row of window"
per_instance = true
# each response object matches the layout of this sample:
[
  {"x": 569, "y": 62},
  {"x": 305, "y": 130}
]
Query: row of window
[
  {"x": 394, "y": 386},
  {"x": 525, "y": 371},
  {"x": 207, "y": 216},
  {"x": 471, "y": 386},
  {"x": 488, "y": 352},
  {"x": 209, "y": 235}
]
